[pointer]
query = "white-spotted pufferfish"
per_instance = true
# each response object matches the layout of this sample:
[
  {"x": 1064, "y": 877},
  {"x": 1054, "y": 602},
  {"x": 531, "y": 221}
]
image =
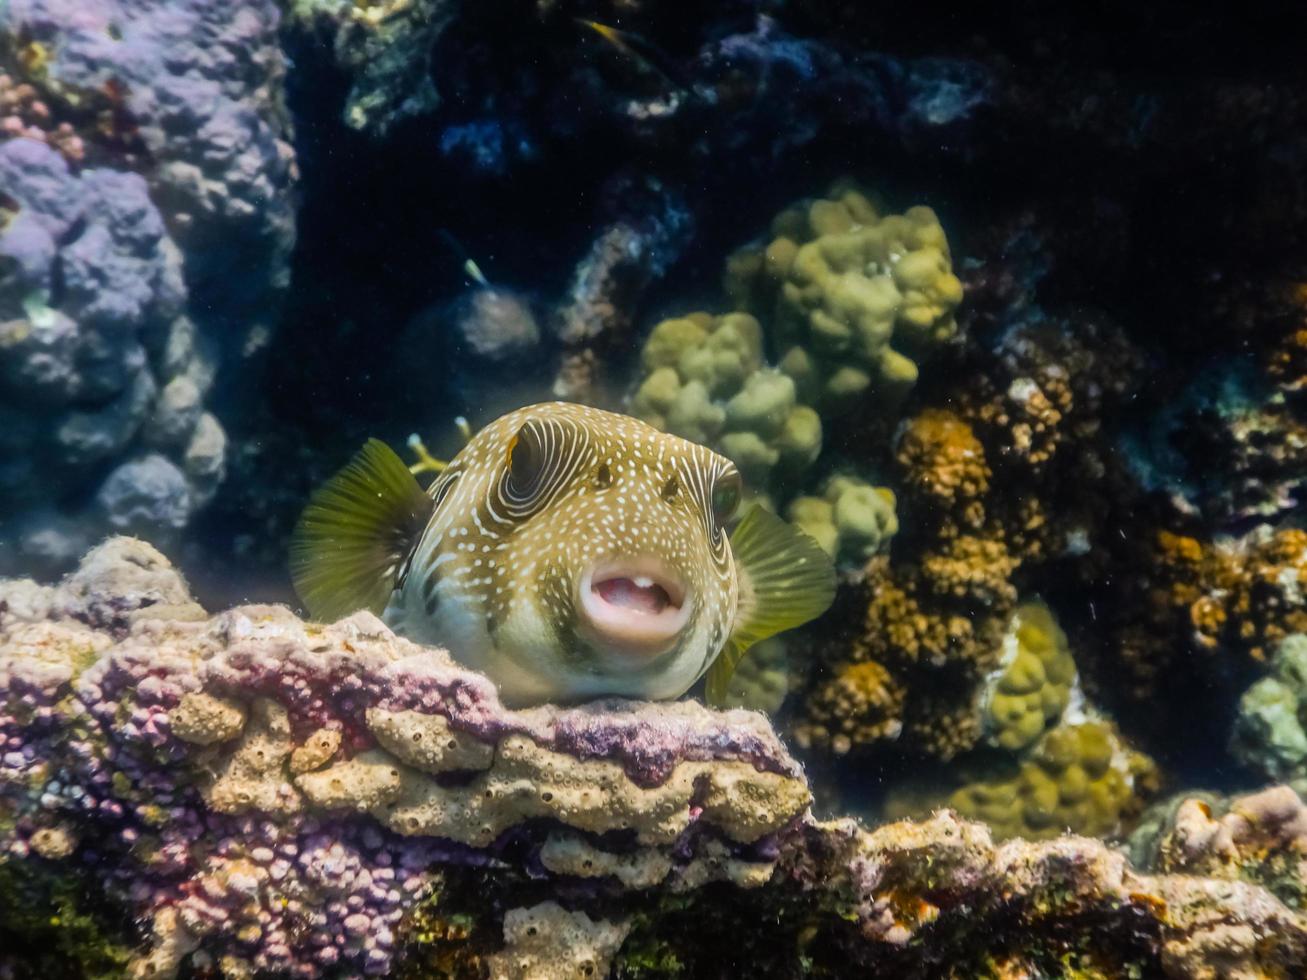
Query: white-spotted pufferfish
[{"x": 565, "y": 552}]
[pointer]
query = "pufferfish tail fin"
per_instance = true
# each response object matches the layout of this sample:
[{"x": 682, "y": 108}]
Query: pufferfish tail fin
[
  {"x": 351, "y": 543},
  {"x": 785, "y": 580}
]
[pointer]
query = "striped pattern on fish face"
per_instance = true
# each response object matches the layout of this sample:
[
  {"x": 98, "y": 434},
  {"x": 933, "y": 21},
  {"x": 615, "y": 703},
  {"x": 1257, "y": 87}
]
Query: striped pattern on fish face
[{"x": 574, "y": 553}]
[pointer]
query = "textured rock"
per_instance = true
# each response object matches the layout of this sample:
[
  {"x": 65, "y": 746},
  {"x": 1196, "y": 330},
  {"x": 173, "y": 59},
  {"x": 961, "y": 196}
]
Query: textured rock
[
  {"x": 204, "y": 719},
  {"x": 427, "y": 742},
  {"x": 120, "y": 724},
  {"x": 547, "y": 942},
  {"x": 115, "y": 279}
]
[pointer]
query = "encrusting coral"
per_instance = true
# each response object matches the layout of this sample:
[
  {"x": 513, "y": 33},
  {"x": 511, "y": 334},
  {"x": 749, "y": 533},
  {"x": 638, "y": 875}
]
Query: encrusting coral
[
  {"x": 243, "y": 784},
  {"x": 196, "y": 752},
  {"x": 856, "y": 299}
]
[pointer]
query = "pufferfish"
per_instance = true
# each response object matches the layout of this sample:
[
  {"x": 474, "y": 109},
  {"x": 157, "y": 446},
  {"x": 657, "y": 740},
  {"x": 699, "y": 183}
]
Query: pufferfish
[{"x": 566, "y": 553}]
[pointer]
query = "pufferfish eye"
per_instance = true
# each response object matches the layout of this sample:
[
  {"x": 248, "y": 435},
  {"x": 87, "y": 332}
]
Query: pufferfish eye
[
  {"x": 542, "y": 458},
  {"x": 526, "y": 462},
  {"x": 726, "y": 495}
]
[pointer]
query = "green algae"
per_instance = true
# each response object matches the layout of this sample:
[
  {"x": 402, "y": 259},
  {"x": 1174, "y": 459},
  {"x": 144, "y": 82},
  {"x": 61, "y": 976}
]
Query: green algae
[{"x": 52, "y": 926}]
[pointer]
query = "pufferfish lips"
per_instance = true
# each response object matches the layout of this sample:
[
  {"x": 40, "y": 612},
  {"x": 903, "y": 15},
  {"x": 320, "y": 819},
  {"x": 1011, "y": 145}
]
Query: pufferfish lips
[{"x": 635, "y": 606}]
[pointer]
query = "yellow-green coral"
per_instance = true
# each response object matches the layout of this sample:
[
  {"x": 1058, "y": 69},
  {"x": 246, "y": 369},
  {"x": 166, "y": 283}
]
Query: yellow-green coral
[
  {"x": 1033, "y": 686},
  {"x": 857, "y": 297},
  {"x": 762, "y": 679},
  {"x": 704, "y": 379},
  {"x": 851, "y": 519},
  {"x": 1081, "y": 778}
]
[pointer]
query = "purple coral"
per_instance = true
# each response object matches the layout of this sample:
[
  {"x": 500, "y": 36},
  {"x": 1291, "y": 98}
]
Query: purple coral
[{"x": 89, "y": 755}]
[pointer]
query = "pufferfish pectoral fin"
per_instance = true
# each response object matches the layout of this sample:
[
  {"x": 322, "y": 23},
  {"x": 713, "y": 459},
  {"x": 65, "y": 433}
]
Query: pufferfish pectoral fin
[
  {"x": 786, "y": 579},
  {"x": 356, "y": 533}
]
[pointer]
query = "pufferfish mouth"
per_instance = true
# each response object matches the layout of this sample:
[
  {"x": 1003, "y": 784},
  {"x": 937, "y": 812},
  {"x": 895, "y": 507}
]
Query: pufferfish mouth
[{"x": 636, "y": 603}]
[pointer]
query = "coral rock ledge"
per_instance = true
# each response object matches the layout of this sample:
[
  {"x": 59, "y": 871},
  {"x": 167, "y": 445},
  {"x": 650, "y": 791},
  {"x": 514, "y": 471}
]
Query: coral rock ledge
[{"x": 250, "y": 795}]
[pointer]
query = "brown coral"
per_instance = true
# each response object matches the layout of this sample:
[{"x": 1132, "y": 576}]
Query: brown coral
[
  {"x": 860, "y": 705},
  {"x": 972, "y": 567},
  {"x": 944, "y": 462},
  {"x": 1016, "y": 473},
  {"x": 915, "y": 665},
  {"x": 1237, "y": 598},
  {"x": 24, "y": 113}
]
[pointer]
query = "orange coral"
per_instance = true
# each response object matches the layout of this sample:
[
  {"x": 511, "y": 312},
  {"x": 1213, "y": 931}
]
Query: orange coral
[
  {"x": 943, "y": 460},
  {"x": 972, "y": 567},
  {"x": 861, "y": 704},
  {"x": 1014, "y": 473},
  {"x": 1233, "y": 600}
]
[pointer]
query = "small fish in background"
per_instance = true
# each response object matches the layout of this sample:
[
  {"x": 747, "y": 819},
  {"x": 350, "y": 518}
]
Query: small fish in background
[
  {"x": 567, "y": 553},
  {"x": 643, "y": 57},
  {"x": 470, "y": 267}
]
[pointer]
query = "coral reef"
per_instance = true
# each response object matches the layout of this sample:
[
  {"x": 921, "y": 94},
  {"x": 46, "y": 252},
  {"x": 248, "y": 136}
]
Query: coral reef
[
  {"x": 1219, "y": 607},
  {"x": 202, "y": 90},
  {"x": 1259, "y": 838},
  {"x": 24, "y": 113},
  {"x": 704, "y": 379},
  {"x": 102, "y": 384},
  {"x": 851, "y": 519},
  {"x": 272, "y": 733},
  {"x": 1270, "y": 731},
  {"x": 855, "y": 298},
  {"x": 860, "y": 705},
  {"x": 990, "y": 491},
  {"x": 245, "y": 793},
  {"x": 1080, "y": 778},
  {"x": 1033, "y": 683},
  {"x": 144, "y": 168},
  {"x": 1059, "y": 766},
  {"x": 275, "y": 797}
]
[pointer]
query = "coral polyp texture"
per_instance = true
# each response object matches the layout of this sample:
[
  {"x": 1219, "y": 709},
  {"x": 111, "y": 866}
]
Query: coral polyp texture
[
  {"x": 851, "y": 519},
  {"x": 249, "y": 795},
  {"x": 1270, "y": 730},
  {"x": 991, "y": 490},
  {"x": 705, "y": 379},
  {"x": 143, "y": 164},
  {"x": 1033, "y": 683},
  {"x": 279, "y": 790},
  {"x": 855, "y": 298}
]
